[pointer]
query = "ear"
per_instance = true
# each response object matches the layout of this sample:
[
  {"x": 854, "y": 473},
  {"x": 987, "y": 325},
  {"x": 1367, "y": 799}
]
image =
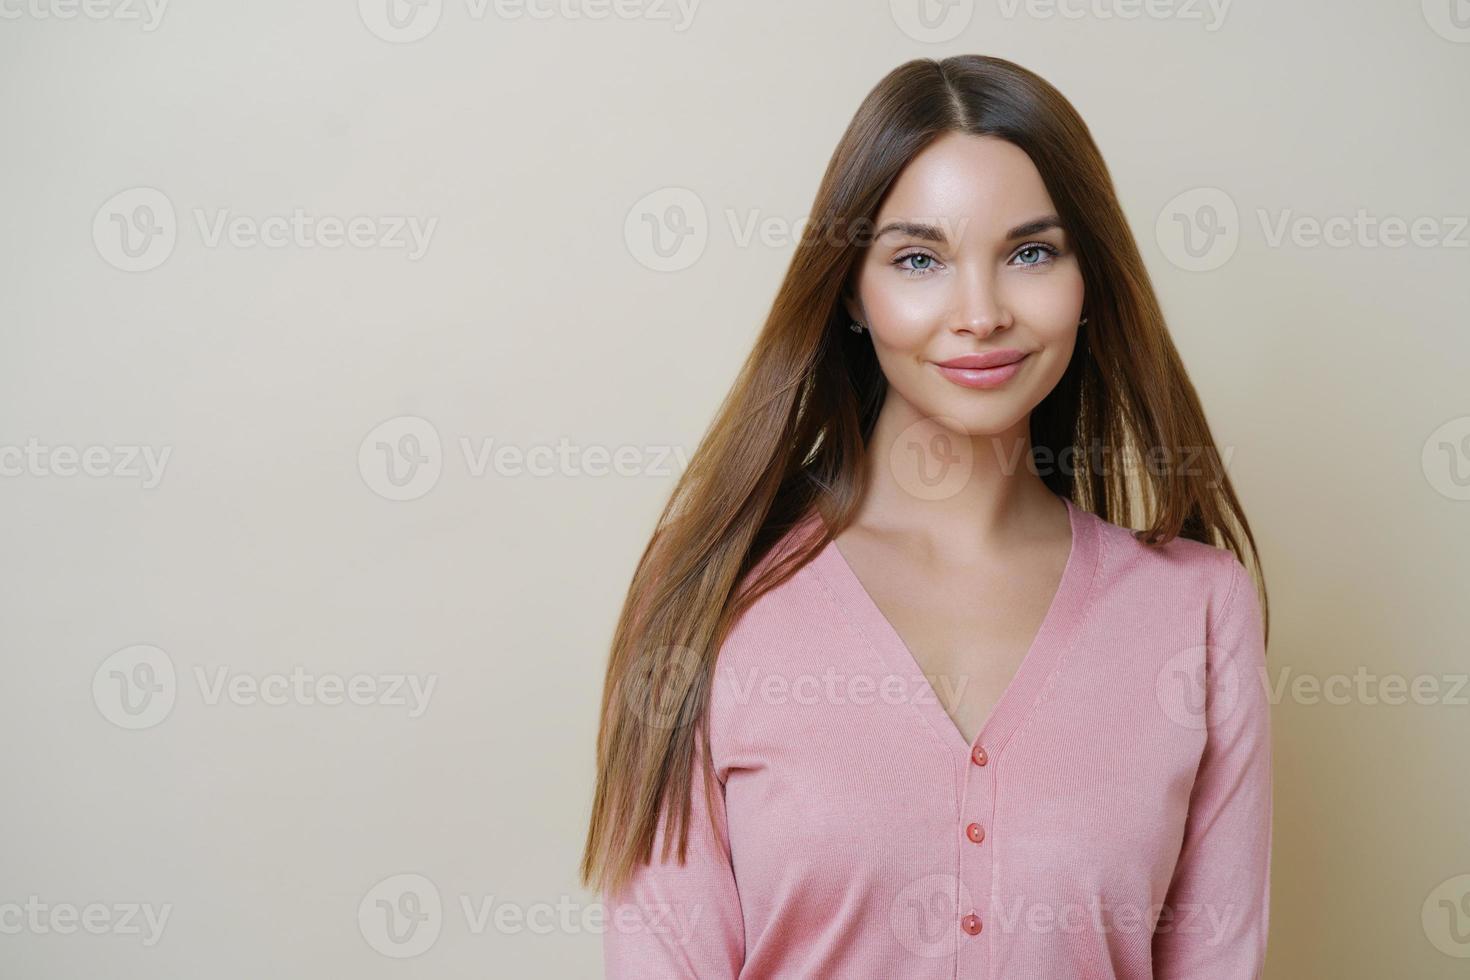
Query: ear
[{"x": 854, "y": 308}]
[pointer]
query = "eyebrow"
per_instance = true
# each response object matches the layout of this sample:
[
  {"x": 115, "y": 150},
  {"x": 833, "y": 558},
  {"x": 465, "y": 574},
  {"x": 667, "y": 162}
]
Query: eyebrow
[{"x": 931, "y": 233}]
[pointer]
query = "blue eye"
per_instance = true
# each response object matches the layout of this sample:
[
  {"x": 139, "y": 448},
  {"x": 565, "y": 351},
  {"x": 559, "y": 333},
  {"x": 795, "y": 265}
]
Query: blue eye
[
  {"x": 1041, "y": 253},
  {"x": 913, "y": 270},
  {"x": 1030, "y": 255}
]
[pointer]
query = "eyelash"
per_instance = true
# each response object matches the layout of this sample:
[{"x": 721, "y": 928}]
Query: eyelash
[{"x": 1050, "y": 250}]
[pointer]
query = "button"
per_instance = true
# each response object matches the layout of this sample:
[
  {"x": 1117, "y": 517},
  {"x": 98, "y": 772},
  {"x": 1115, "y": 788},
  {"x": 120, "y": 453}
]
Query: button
[
  {"x": 975, "y": 832},
  {"x": 978, "y": 756},
  {"x": 971, "y": 924}
]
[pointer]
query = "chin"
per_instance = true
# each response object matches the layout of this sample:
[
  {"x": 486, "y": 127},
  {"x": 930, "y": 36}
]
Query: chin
[{"x": 970, "y": 420}]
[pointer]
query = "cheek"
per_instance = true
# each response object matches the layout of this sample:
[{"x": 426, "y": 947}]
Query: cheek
[
  {"x": 903, "y": 313},
  {"x": 1051, "y": 304}
]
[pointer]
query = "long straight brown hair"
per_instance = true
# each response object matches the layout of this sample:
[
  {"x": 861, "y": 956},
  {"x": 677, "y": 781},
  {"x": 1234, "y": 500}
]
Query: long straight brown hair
[{"x": 789, "y": 438}]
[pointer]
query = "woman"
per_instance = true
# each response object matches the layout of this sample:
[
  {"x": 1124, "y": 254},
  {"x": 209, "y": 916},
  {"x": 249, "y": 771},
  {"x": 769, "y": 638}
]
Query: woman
[{"x": 895, "y": 692}]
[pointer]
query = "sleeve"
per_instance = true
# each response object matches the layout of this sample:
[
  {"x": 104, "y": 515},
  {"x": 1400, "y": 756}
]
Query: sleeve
[
  {"x": 679, "y": 922},
  {"x": 1214, "y": 924}
]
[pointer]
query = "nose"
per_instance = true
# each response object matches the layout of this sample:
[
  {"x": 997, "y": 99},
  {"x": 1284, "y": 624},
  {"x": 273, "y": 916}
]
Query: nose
[{"x": 979, "y": 308}]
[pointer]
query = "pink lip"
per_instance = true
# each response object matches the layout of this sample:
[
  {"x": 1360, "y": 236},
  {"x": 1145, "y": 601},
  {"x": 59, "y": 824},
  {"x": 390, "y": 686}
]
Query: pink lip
[{"x": 983, "y": 370}]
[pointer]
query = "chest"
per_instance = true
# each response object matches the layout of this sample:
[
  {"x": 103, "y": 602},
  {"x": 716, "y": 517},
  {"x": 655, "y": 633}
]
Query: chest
[
  {"x": 851, "y": 798},
  {"x": 967, "y": 630}
]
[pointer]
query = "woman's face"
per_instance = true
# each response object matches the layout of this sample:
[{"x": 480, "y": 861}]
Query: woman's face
[{"x": 968, "y": 259}]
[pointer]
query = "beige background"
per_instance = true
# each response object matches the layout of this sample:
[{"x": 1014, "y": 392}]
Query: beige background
[{"x": 146, "y": 618}]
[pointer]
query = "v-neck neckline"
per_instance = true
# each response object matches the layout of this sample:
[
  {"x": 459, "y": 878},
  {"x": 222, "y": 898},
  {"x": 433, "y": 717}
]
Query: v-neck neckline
[{"x": 1058, "y": 626}]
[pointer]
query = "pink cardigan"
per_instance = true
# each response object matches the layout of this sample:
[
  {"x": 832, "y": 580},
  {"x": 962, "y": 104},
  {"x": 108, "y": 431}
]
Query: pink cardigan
[{"x": 1111, "y": 820}]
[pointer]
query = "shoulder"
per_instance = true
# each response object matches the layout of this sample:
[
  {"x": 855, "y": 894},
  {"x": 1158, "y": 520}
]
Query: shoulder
[
  {"x": 783, "y": 633},
  {"x": 1177, "y": 570},
  {"x": 780, "y": 615},
  {"x": 1183, "y": 593}
]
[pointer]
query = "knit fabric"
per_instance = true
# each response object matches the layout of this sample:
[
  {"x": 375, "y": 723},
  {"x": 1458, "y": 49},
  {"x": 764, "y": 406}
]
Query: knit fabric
[{"x": 1112, "y": 819}]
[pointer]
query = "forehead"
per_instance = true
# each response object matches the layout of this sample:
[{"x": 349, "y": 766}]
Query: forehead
[{"x": 989, "y": 183}]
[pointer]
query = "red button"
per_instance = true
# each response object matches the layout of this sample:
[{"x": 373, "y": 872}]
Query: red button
[
  {"x": 971, "y": 924},
  {"x": 975, "y": 832},
  {"x": 978, "y": 756}
]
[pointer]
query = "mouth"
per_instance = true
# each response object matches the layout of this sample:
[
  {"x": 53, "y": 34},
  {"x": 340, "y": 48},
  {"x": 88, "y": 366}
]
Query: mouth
[{"x": 986, "y": 370}]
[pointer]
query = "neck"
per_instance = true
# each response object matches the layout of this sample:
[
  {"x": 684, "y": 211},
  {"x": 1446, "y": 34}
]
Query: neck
[{"x": 928, "y": 477}]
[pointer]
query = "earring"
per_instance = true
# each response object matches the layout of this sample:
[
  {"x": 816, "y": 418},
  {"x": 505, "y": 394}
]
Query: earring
[
  {"x": 1082, "y": 322},
  {"x": 855, "y": 327}
]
